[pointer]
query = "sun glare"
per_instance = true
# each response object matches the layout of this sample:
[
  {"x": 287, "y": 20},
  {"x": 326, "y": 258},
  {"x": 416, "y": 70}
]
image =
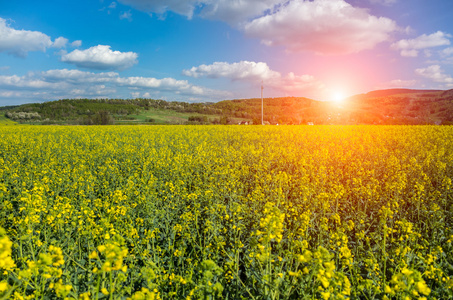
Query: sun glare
[{"x": 337, "y": 97}]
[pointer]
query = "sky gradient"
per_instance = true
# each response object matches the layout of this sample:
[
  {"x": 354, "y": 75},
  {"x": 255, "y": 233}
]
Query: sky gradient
[{"x": 211, "y": 50}]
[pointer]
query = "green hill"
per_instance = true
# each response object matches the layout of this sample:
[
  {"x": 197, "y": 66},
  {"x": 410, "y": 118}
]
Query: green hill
[
  {"x": 407, "y": 107},
  {"x": 395, "y": 106},
  {"x": 392, "y": 92},
  {"x": 108, "y": 111},
  {"x": 6, "y": 121}
]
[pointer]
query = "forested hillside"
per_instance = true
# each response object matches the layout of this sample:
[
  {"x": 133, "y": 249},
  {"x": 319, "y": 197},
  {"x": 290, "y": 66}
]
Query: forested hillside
[{"x": 397, "y": 106}]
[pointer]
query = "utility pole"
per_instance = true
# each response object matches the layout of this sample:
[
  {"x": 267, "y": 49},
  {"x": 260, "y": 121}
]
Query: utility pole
[{"x": 262, "y": 104}]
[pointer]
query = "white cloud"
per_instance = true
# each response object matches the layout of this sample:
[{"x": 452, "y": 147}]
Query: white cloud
[
  {"x": 112, "y": 5},
  {"x": 322, "y": 26},
  {"x": 384, "y": 2},
  {"x": 182, "y": 87},
  {"x": 64, "y": 83},
  {"x": 254, "y": 73},
  {"x": 436, "y": 74},
  {"x": 409, "y": 53},
  {"x": 244, "y": 70},
  {"x": 447, "y": 52},
  {"x": 428, "y": 53},
  {"x": 78, "y": 77},
  {"x": 295, "y": 84},
  {"x": 60, "y": 42},
  {"x": 141, "y": 95},
  {"x": 26, "y": 82},
  {"x": 20, "y": 42},
  {"x": 77, "y": 43},
  {"x": 135, "y": 95},
  {"x": 126, "y": 15},
  {"x": 235, "y": 12},
  {"x": 149, "y": 82},
  {"x": 409, "y": 48},
  {"x": 402, "y": 83},
  {"x": 182, "y": 7},
  {"x": 101, "y": 57}
]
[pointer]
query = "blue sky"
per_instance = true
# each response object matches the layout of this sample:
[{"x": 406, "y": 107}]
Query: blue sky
[{"x": 210, "y": 50}]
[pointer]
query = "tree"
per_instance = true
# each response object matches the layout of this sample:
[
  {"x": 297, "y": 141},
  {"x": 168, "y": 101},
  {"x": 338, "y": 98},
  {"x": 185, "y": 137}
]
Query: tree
[{"x": 102, "y": 118}]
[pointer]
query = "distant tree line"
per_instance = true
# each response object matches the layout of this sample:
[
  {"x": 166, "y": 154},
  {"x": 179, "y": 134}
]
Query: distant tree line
[
  {"x": 21, "y": 115},
  {"x": 425, "y": 108}
]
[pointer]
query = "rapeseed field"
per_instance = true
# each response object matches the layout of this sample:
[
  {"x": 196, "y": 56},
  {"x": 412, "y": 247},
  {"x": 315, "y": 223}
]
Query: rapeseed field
[{"x": 226, "y": 212}]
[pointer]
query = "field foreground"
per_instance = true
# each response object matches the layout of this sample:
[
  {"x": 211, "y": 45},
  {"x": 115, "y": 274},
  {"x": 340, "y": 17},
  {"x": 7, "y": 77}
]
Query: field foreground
[{"x": 210, "y": 212}]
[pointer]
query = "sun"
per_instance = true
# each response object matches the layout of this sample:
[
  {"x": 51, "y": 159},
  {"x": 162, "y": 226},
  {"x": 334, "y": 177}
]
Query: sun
[{"x": 337, "y": 96}]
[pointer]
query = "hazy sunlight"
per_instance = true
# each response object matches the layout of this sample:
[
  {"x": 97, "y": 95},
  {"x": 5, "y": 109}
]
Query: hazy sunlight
[{"x": 337, "y": 96}]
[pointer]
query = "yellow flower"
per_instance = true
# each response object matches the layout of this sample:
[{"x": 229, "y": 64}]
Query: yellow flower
[
  {"x": 6, "y": 262},
  {"x": 423, "y": 288},
  {"x": 324, "y": 281},
  {"x": 3, "y": 286},
  {"x": 85, "y": 296},
  {"x": 387, "y": 289}
]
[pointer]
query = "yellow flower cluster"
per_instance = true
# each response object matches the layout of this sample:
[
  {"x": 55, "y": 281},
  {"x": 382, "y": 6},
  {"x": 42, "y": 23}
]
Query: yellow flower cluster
[
  {"x": 113, "y": 254},
  {"x": 408, "y": 284},
  {"x": 6, "y": 262}
]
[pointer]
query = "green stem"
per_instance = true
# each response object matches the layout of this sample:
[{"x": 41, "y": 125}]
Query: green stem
[
  {"x": 97, "y": 287},
  {"x": 111, "y": 286},
  {"x": 384, "y": 255}
]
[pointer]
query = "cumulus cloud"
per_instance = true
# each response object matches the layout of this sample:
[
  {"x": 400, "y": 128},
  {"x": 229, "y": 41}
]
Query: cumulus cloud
[
  {"x": 64, "y": 83},
  {"x": 409, "y": 53},
  {"x": 179, "y": 86},
  {"x": 77, "y": 76},
  {"x": 60, "y": 42},
  {"x": 26, "y": 82},
  {"x": 235, "y": 12},
  {"x": 243, "y": 70},
  {"x": 410, "y": 48},
  {"x": 182, "y": 7},
  {"x": 322, "y": 26},
  {"x": 447, "y": 52},
  {"x": 295, "y": 84},
  {"x": 402, "y": 83},
  {"x": 384, "y": 2},
  {"x": 255, "y": 72},
  {"x": 436, "y": 74},
  {"x": 77, "y": 43},
  {"x": 101, "y": 57},
  {"x": 20, "y": 42}
]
